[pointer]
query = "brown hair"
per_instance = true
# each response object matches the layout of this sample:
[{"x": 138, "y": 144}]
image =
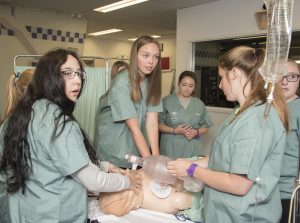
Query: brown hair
[
  {"x": 190, "y": 74},
  {"x": 154, "y": 79},
  {"x": 187, "y": 73},
  {"x": 115, "y": 69},
  {"x": 249, "y": 60},
  {"x": 17, "y": 85}
]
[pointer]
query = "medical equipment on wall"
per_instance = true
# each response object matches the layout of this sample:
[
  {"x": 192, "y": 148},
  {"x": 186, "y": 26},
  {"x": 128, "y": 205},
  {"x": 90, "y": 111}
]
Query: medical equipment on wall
[{"x": 156, "y": 167}]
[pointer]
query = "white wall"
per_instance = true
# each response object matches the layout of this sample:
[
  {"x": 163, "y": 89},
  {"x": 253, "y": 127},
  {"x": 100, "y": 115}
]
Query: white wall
[
  {"x": 218, "y": 20},
  {"x": 212, "y": 21}
]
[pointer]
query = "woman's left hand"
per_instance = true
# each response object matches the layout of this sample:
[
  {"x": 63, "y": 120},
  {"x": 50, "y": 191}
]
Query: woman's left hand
[
  {"x": 179, "y": 167},
  {"x": 114, "y": 169}
]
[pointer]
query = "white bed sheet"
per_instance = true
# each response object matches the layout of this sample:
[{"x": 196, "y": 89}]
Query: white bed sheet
[{"x": 136, "y": 216}]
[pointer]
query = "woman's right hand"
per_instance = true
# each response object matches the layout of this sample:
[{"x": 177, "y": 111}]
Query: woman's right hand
[
  {"x": 135, "y": 180},
  {"x": 182, "y": 129}
]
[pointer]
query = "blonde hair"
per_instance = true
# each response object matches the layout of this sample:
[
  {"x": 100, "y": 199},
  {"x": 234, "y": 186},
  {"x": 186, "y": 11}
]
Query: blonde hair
[
  {"x": 249, "y": 60},
  {"x": 17, "y": 85},
  {"x": 154, "y": 79}
]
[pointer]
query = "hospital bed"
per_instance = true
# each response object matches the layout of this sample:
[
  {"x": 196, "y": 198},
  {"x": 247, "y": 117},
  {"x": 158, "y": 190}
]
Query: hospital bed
[{"x": 135, "y": 216}]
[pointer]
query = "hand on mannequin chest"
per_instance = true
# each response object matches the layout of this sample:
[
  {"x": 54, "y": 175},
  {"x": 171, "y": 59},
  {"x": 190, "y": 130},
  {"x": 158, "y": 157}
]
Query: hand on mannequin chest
[{"x": 120, "y": 203}]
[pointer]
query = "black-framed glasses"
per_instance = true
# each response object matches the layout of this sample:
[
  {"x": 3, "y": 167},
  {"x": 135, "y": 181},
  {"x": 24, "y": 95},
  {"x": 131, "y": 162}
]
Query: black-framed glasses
[
  {"x": 70, "y": 74},
  {"x": 291, "y": 77}
]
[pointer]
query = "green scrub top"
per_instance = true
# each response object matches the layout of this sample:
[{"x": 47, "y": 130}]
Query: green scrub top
[
  {"x": 174, "y": 114},
  {"x": 251, "y": 146},
  {"x": 113, "y": 139},
  {"x": 4, "y": 216},
  {"x": 51, "y": 194},
  {"x": 290, "y": 166}
]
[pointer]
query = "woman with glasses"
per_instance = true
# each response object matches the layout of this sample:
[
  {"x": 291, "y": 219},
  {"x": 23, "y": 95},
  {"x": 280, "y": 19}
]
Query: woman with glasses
[
  {"x": 47, "y": 161},
  {"x": 290, "y": 168},
  {"x": 134, "y": 100}
]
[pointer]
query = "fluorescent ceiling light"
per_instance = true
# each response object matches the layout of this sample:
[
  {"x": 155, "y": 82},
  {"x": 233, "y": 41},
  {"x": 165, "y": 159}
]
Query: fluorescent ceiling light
[
  {"x": 105, "y": 32},
  {"x": 118, "y": 5},
  {"x": 250, "y": 37},
  {"x": 154, "y": 36},
  {"x": 297, "y": 61}
]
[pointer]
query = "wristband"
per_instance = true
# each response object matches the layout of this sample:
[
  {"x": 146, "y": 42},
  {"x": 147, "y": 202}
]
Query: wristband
[{"x": 190, "y": 171}]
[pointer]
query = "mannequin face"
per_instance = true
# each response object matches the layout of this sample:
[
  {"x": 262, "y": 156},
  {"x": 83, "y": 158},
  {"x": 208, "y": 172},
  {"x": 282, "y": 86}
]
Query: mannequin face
[
  {"x": 186, "y": 87},
  {"x": 148, "y": 57},
  {"x": 289, "y": 88}
]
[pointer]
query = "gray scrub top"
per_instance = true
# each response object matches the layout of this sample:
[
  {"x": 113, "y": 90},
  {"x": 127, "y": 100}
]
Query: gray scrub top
[
  {"x": 290, "y": 166},
  {"x": 251, "y": 146},
  {"x": 174, "y": 114},
  {"x": 51, "y": 194},
  {"x": 113, "y": 139},
  {"x": 4, "y": 216}
]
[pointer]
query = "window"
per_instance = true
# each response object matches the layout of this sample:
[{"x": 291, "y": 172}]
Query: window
[{"x": 206, "y": 64}]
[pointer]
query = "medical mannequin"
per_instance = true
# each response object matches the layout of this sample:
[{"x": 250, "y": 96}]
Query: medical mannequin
[{"x": 120, "y": 203}]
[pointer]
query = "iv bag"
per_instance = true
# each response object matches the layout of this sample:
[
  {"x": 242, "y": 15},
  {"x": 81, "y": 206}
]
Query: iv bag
[{"x": 279, "y": 14}]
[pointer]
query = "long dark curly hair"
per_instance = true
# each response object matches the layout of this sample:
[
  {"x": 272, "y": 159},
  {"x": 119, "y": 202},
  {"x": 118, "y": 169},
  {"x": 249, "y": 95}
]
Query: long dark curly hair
[{"x": 47, "y": 83}]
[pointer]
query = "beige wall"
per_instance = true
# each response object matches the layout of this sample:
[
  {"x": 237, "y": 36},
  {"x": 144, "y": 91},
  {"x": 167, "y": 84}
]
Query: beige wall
[
  {"x": 15, "y": 45},
  {"x": 96, "y": 46},
  {"x": 93, "y": 46}
]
